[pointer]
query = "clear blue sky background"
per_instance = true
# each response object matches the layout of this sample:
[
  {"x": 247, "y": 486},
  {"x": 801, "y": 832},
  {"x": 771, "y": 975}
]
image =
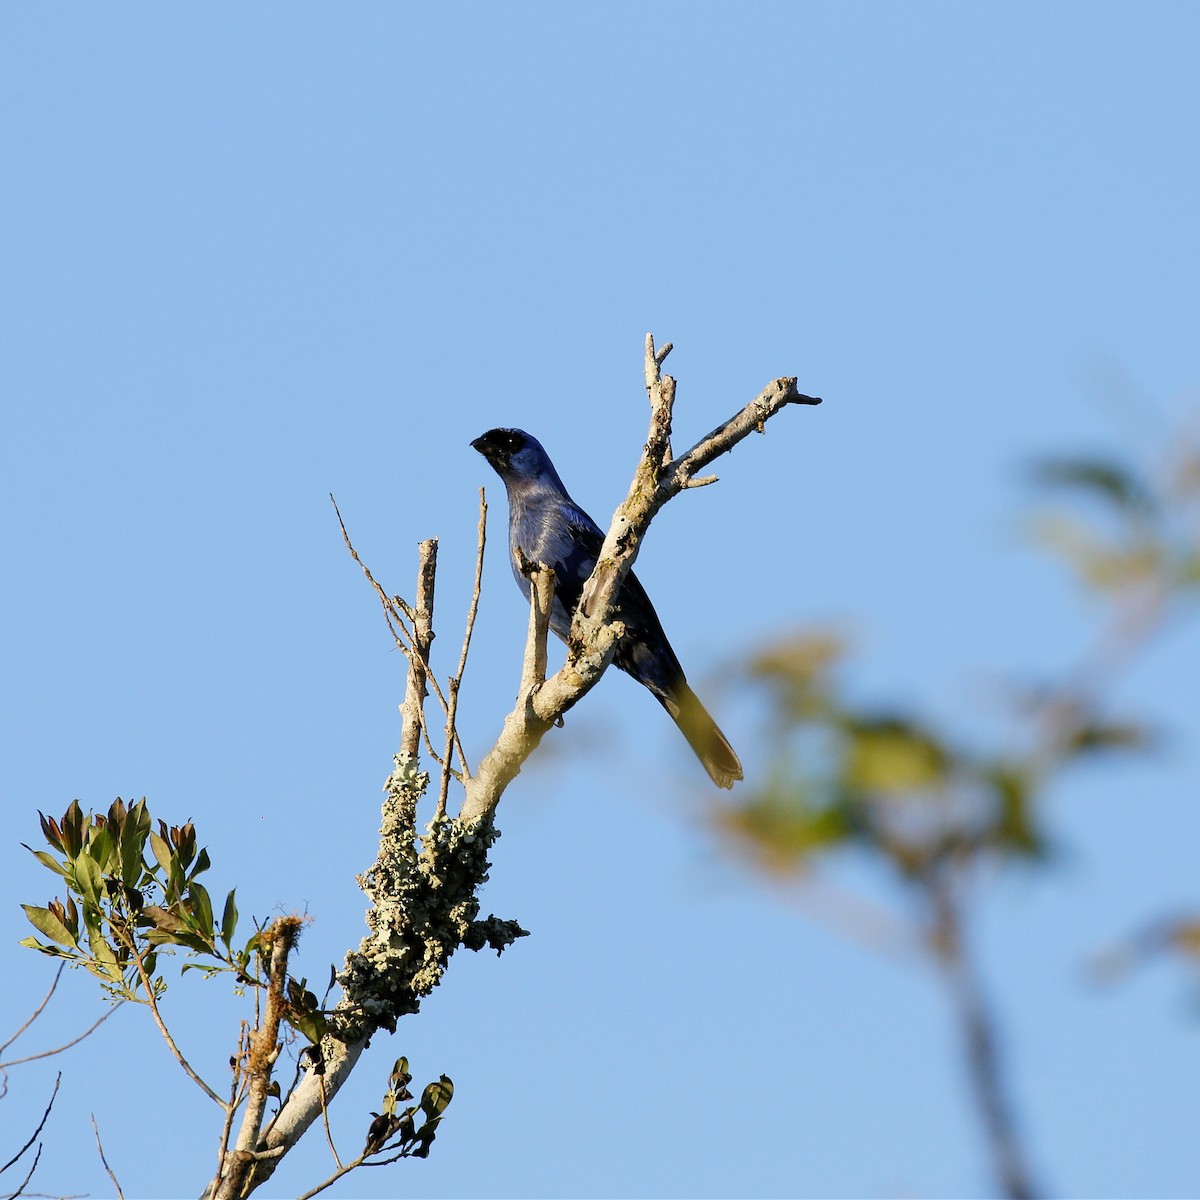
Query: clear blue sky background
[{"x": 257, "y": 254}]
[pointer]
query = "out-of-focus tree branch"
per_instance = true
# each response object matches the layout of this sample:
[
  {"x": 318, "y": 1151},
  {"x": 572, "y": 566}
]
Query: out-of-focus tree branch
[{"x": 939, "y": 816}]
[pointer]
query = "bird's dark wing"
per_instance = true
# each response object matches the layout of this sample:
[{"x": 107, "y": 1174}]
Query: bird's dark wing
[{"x": 566, "y": 539}]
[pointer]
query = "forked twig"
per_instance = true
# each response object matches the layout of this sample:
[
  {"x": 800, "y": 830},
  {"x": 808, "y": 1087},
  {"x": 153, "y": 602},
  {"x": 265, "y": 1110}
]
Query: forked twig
[
  {"x": 34, "y": 1135},
  {"x": 397, "y": 610}
]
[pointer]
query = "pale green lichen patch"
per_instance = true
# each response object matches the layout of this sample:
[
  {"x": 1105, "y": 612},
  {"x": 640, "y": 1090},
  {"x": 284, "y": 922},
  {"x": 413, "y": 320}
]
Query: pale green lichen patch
[{"x": 424, "y": 906}]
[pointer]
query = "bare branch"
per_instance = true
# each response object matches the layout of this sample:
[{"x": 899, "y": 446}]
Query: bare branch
[
  {"x": 594, "y": 628},
  {"x": 455, "y": 681},
  {"x": 100, "y": 1147},
  {"x": 424, "y": 904},
  {"x": 418, "y": 663},
  {"x": 280, "y": 937},
  {"x": 541, "y": 600}
]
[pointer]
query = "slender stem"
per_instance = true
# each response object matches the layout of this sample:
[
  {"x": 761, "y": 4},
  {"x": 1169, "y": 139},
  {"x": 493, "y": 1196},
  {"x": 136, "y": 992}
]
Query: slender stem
[
  {"x": 236, "y": 1072},
  {"x": 15, "y": 1062},
  {"x": 34, "y": 1135},
  {"x": 328, "y": 1132},
  {"x": 152, "y": 1003},
  {"x": 100, "y": 1147},
  {"x": 980, "y": 1040},
  {"x": 37, "y": 1012}
]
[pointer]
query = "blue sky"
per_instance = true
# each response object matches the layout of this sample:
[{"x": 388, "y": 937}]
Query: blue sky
[{"x": 256, "y": 255}]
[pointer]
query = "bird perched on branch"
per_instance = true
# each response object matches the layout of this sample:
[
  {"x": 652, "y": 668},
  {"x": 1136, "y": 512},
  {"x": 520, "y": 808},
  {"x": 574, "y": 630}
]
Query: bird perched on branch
[{"x": 546, "y": 526}]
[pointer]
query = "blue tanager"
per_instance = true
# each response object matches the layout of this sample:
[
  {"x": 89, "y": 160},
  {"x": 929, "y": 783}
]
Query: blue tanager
[{"x": 546, "y": 526}]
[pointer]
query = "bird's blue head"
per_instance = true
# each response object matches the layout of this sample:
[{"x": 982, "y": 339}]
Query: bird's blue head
[{"x": 515, "y": 455}]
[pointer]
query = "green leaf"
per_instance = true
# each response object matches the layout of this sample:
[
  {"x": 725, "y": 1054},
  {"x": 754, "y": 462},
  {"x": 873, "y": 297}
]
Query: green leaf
[
  {"x": 311, "y": 1024},
  {"x": 72, "y": 829},
  {"x": 87, "y": 878},
  {"x": 107, "y": 959},
  {"x": 47, "y": 860},
  {"x": 203, "y": 862},
  {"x": 1013, "y": 826},
  {"x": 101, "y": 847},
  {"x": 1101, "y": 477},
  {"x": 436, "y": 1097},
  {"x": 132, "y": 845},
  {"x": 184, "y": 839},
  {"x": 229, "y": 918},
  {"x": 44, "y": 921},
  {"x": 201, "y": 907},
  {"x": 161, "y": 850},
  {"x": 892, "y": 755},
  {"x": 164, "y": 919},
  {"x": 189, "y": 941},
  {"x": 31, "y": 943},
  {"x": 116, "y": 818}
]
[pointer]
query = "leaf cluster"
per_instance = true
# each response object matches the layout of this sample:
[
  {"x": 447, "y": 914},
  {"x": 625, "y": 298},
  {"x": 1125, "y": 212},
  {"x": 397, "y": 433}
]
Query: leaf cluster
[
  {"x": 846, "y": 775},
  {"x": 132, "y": 891},
  {"x": 395, "y": 1130}
]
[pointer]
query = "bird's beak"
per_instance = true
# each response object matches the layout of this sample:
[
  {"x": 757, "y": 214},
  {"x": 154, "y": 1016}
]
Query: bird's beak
[{"x": 487, "y": 448}]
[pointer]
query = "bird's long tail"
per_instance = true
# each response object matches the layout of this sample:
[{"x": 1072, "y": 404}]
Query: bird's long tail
[{"x": 710, "y": 744}]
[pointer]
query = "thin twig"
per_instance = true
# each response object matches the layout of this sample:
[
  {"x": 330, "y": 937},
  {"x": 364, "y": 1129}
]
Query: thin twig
[
  {"x": 152, "y": 1003},
  {"x": 34, "y": 1136},
  {"x": 389, "y": 602},
  {"x": 235, "y": 1064},
  {"x": 363, "y": 1160},
  {"x": 455, "y": 681},
  {"x": 16, "y": 1062},
  {"x": 100, "y": 1147},
  {"x": 328, "y": 1131},
  {"x": 397, "y": 610},
  {"x": 37, "y": 1012},
  {"x": 29, "y": 1175}
]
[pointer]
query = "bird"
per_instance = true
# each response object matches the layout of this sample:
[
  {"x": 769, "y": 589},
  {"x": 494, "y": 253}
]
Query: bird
[{"x": 546, "y": 526}]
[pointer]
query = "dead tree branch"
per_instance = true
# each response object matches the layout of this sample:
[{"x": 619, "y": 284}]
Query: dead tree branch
[{"x": 423, "y": 889}]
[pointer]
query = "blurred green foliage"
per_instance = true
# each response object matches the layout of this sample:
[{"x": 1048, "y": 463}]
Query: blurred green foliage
[{"x": 846, "y": 775}]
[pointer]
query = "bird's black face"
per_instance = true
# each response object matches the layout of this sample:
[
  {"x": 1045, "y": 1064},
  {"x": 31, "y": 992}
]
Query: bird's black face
[{"x": 499, "y": 446}]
